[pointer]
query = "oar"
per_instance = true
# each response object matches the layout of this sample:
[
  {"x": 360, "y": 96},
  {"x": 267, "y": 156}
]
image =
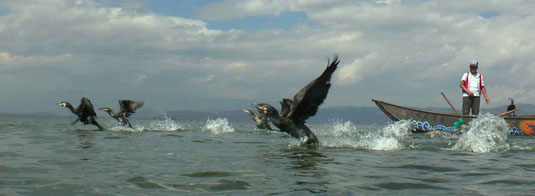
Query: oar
[
  {"x": 508, "y": 112},
  {"x": 449, "y": 102}
]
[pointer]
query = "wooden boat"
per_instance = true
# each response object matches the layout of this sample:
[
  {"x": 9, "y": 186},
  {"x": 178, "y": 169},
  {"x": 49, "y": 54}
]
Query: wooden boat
[{"x": 430, "y": 121}]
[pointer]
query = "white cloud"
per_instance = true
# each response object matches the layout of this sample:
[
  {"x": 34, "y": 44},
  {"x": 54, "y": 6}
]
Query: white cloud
[
  {"x": 359, "y": 69},
  {"x": 54, "y": 48},
  {"x": 5, "y": 57},
  {"x": 237, "y": 66}
]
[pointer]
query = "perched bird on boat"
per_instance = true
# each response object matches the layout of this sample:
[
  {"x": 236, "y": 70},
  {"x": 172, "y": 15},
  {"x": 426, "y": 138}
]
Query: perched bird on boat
[
  {"x": 261, "y": 119},
  {"x": 127, "y": 108},
  {"x": 85, "y": 112},
  {"x": 511, "y": 106},
  {"x": 305, "y": 104}
]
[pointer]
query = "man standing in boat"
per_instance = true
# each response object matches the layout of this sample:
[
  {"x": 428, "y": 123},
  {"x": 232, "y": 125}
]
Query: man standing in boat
[{"x": 472, "y": 86}]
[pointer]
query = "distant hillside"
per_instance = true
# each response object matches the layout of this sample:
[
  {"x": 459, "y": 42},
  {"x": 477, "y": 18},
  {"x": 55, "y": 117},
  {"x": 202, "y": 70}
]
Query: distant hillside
[
  {"x": 522, "y": 109},
  {"x": 358, "y": 115}
]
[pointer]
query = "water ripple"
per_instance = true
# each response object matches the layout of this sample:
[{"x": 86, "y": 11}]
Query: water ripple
[
  {"x": 408, "y": 185},
  {"x": 209, "y": 174},
  {"x": 429, "y": 168},
  {"x": 509, "y": 182},
  {"x": 221, "y": 185}
]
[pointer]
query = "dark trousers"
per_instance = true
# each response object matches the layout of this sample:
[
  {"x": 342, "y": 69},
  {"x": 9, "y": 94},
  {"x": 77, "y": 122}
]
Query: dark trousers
[{"x": 471, "y": 102}]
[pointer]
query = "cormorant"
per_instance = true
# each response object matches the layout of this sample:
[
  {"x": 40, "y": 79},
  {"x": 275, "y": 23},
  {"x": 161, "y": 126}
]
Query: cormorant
[
  {"x": 305, "y": 104},
  {"x": 511, "y": 106},
  {"x": 261, "y": 119},
  {"x": 127, "y": 108},
  {"x": 85, "y": 112}
]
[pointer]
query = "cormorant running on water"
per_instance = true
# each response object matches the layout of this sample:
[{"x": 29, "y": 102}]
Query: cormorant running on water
[
  {"x": 261, "y": 119},
  {"x": 305, "y": 104},
  {"x": 511, "y": 106},
  {"x": 85, "y": 112},
  {"x": 127, "y": 108}
]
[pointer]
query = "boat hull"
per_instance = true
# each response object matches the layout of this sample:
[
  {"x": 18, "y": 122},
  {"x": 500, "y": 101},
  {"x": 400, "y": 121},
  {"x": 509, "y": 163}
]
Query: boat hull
[{"x": 428, "y": 120}]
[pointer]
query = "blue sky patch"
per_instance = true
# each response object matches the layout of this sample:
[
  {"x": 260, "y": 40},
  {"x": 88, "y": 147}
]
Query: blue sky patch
[
  {"x": 186, "y": 9},
  {"x": 285, "y": 20},
  {"x": 4, "y": 12},
  {"x": 489, "y": 14},
  {"x": 182, "y": 9}
]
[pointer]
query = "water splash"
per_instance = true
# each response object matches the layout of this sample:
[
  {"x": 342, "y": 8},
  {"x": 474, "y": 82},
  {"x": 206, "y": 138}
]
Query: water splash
[
  {"x": 487, "y": 133},
  {"x": 166, "y": 124},
  {"x": 219, "y": 125},
  {"x": 346, "y": 134},
  {"x": 343, "y": 129},
  {"x": 126, "y": 129},
  {"x": 297, "y": 143},
  {"x": 388, "y": 138}
]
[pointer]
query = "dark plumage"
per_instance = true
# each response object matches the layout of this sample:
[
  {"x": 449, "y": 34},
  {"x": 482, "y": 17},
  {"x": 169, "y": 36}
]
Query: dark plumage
[
  {"x": 305, "y": 104},
  {"x": 85, "y": 112},
  {"x": 128, "y": 107},
  {"x": 511, "y": 106},
  {"x": 261, "y": 119}
]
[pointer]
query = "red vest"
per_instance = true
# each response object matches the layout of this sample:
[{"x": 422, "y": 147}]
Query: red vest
[{"x": 467, "y": 78}]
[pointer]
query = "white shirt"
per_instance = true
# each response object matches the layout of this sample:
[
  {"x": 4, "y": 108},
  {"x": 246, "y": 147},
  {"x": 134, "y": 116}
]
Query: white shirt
[{"x": 473, "y": 83}]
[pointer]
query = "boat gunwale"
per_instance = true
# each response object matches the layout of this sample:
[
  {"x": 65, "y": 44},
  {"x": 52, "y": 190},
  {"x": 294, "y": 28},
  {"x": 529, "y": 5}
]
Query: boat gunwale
[{"x": 379, "y": 103}]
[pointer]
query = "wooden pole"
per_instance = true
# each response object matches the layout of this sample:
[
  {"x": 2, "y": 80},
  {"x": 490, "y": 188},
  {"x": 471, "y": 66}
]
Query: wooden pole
[
  {"x": 508, "y": 112},
  {"x": 443, "y": 95}
]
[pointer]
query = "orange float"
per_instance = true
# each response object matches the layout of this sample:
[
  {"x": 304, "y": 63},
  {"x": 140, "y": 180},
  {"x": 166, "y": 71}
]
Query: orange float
[{"x": 527, "y": 126}]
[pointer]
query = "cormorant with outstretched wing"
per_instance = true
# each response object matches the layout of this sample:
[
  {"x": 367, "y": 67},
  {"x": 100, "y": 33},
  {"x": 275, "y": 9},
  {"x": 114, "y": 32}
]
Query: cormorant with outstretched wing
[
  {"x": 305, "y": 104},
  {"x": 85, "y": 112},
  {"x": 127, "y": 108}
]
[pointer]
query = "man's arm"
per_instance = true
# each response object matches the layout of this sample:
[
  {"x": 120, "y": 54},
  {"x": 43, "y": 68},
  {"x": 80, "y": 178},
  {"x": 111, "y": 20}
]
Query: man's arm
[
  {"x": 470, "y": 93},
  {"x": 484, "y": 90}
]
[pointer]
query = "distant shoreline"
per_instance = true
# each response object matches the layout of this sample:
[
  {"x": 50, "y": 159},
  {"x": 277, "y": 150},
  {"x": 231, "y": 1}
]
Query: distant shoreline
[{"x": 358, "y": 115}]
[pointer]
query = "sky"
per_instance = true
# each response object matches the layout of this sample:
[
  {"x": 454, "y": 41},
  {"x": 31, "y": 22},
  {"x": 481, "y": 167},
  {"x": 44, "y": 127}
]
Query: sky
[{"x": 211, "y": 55}]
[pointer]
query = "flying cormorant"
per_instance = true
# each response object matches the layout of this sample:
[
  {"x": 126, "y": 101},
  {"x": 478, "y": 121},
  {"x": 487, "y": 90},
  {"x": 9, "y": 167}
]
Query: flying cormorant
[
  {"x": 305, "y": 104},
  {"x": 127, "y": 108},
  {"x": 511, "y": 106},
  {"x": 261, "y": 119},
  {"x": 85, "y": 112}
]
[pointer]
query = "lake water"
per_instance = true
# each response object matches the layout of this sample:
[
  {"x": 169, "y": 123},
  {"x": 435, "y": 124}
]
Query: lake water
[{"x": 48, "y": 156}]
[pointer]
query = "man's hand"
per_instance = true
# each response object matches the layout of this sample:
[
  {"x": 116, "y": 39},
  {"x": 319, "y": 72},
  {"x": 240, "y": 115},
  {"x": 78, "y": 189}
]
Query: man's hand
[
  {"x": 470, "y": 93},
  {"x": 487, "y": 100}
]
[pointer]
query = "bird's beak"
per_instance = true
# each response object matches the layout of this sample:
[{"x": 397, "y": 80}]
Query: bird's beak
[{"x": 258, "y": 106}]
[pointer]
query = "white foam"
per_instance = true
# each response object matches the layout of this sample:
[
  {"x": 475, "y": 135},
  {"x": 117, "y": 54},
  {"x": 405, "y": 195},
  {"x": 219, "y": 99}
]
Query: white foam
[
  {"x": 217, "y": 126},
  {"x": 125, "y": 129},
  {"x": 487, "y": 133},
  {"x": 166, "y": 124},
  {"x": 295, "y": 143},
  {"x": 346, "y": 134},
  {"x": 341, "y": 129},
  {"x": 399, "y": 129}
]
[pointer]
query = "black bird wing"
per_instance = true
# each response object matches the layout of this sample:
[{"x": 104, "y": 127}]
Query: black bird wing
[
  {"x": 87, "y": 107},
  {"x": 128, "y": 106},
  {"x": 307, "y": 101},
  {"x": 85, "y": 110}
]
